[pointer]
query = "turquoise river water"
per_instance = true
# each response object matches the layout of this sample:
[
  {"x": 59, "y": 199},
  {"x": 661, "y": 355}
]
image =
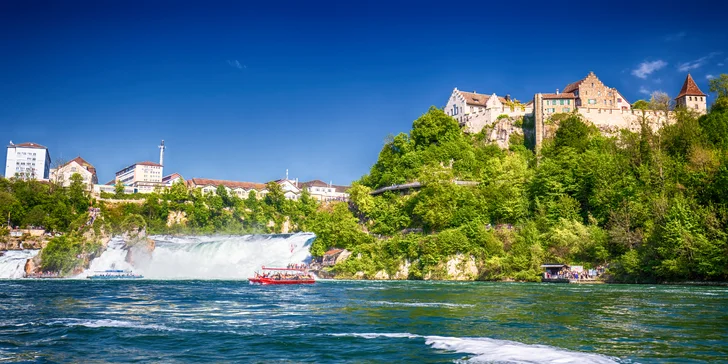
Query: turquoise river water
[{"x": 359, "y": 321}]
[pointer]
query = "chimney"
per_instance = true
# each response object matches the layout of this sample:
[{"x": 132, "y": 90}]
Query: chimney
[
  {"x": 296, "y": 182},
  {"x": 161, "y": 153},
  {"x": 557, "y": 91},
  {"x": 508, "y": 97}
]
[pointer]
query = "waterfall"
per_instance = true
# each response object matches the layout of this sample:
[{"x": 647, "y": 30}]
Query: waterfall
[
  {"x": 207, "y": 257},
  {"x": 12, "y": 262}
]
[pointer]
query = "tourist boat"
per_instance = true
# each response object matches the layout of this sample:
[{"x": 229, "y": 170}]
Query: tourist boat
[
  {"x": 290, "y": 275},
  {"x": 115, "y": 274}
]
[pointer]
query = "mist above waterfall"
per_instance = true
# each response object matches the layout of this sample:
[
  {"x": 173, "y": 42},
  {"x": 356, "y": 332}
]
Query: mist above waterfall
[{"x": 207, "y": 257}]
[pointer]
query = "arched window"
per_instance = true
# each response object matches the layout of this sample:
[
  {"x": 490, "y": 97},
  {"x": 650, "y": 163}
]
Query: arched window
[{"x": 690, "y": 98}]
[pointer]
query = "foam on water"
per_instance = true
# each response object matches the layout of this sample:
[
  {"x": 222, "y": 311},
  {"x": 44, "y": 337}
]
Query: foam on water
[
  {"x": 208, "y": 257},
  {"x": 12, "y": 262},
  {"x": 487, "y": 350}
]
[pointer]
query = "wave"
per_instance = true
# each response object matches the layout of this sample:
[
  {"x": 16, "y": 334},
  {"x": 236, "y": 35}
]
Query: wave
[
  {"x": 487, "y": 350},
  {"x": 101, "y": 323}
]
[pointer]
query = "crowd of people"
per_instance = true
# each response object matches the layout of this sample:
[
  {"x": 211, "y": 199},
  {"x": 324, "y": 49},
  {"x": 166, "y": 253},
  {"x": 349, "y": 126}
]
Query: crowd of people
[
  {"x": 278, "y": 276},
  {"x": 297, "y": 266},
  {"x": 575, "y": 273}
]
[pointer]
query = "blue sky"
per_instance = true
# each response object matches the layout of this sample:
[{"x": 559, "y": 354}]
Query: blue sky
[{"x": 245, "y": 90}]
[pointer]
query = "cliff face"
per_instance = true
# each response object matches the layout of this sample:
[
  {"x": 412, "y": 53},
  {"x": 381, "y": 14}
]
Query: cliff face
[{"x": 458, "y": 267}]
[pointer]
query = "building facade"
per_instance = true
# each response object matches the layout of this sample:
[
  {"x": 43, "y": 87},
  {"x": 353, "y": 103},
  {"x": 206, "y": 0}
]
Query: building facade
[
  {"x": 144, "y": 177},
  {"x": 27, "y": 161},
  {"x": 473, "y": 111},
  {"x": 558, "y": 103},
  {"x": 239, "y": 189},
  {"x": 321, "y": 191},
  {"x": 690, "y": 97},
  {"x": 171, "y": 179},
  {"x": 591, "y": 92},
  {"x": 62, "y": 175}
]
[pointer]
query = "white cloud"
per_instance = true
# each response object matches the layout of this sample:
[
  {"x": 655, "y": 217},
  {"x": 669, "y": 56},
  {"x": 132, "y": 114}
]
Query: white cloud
[
  {"x": 675, "y": 37},
  {"x": 646, "y": 68},
  {"x": 236, "y": 64},
  {"x": 644, "y": 90},
  {"x": 710, "y": 77},
  {"x": 695, "y": 64},
  {"x": 721, "y": 64}
]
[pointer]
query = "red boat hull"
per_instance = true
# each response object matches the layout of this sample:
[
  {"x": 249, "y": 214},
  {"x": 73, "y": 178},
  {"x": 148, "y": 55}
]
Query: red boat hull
[{"x": 280, "y": 281}]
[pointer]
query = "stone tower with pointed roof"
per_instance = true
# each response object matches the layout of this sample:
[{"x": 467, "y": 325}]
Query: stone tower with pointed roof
[{"x": 691, "y": 97}]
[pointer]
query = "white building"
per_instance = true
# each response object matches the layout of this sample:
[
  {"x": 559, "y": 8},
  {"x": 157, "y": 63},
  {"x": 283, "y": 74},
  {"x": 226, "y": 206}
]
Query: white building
[
  {"x": 322, "y": 191},
  {"x": 171, "y": 179},
  {"x": 144, "y": 177},
  {"x": 62, "y": 175},
  {"x": 473, "y": 111},
  {"x": 28, "y": 161},
  {"x": 239, "y": 189}
]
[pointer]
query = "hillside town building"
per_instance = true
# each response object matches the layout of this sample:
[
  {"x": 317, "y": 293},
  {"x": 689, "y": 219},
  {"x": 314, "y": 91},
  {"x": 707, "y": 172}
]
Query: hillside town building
[
  {"x": 27, "y": 161},
  {"x": 239, "y": 189},
  {"x": 603, "y": 106},
  {"x": 171, "y": 179},
  {"x": 144, "y": 177},
  {"x": 473, "y": 110},
  {"x": 62, "y": 175},
  {"x": 321, "y": 191}
]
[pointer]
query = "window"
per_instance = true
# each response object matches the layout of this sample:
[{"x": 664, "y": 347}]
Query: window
[
  {"x": 599, "y": 93},
  {"x": 701, "y": 98},
  {"x": 568, "y": 102},
  {"x": 619, "y": 99},
  {"x": 566, "y": 109},
  {"x": 592, "y": 84},
  {"x": 696, "y": 106},
  {"x": 690, "y": 98},
  {"x": 592, "y": 101}
]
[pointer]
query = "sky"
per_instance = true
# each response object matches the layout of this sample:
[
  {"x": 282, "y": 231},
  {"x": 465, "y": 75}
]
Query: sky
[{"x": 244, "y": 90}]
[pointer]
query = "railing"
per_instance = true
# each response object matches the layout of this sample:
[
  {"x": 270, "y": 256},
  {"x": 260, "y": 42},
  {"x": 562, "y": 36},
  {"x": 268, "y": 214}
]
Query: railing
[{"x": 415, "y": 185}]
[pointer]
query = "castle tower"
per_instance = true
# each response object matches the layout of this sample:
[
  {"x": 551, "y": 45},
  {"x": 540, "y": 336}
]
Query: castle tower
[{"x": 691, "y": 97}]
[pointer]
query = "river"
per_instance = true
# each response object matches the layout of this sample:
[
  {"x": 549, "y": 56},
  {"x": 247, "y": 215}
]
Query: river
[{"x": 359, "y": 321}]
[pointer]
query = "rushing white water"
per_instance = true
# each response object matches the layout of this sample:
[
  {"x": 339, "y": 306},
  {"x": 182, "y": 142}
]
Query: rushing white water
[
  {"x": 487, "y": 350},
  {"x": 114, "y": 257},
  {"x": 12, "y": 262},
  {"x": 207, "y": 257}
]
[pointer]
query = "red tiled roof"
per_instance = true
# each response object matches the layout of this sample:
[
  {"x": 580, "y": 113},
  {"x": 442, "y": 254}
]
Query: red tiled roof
[
  {"x": 334, "y": 251},
  {"x": 171, "y": 176},
  {"x": 314, "y": 183},
  {"x": 82, "y": 162},
  {"x": 690, "y": 88},
  {"x": 28, "y": 145},
  {"x": 342, "y": 189},
  {"x": 573, "y": 86},
  {"x": 149, "y": 164},
  {"x": 472, "y": 98},
  {"x": 201, "y": 182},
  {"x": 563, "y": 95}
]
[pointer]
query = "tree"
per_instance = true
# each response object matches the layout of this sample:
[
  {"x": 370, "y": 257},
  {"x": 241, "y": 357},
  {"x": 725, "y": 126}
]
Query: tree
[
  {"x": 641, "y": 105},
  {"x": 719, "y": 85},
  {"x": 572, "y": 132},
  {"x": 77, "y": 193},
  {"x": 119, "y": 189}
]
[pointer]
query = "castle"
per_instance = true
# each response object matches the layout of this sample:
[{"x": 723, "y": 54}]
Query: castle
[{"x": 603, "y": 106}]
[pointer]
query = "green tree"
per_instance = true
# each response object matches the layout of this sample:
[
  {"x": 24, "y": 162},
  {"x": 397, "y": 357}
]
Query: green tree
[{"x": 119, "y": 189}]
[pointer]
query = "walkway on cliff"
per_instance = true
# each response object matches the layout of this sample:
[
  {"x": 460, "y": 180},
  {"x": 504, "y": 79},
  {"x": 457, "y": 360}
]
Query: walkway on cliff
[{"x": 415, "y": 185}]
